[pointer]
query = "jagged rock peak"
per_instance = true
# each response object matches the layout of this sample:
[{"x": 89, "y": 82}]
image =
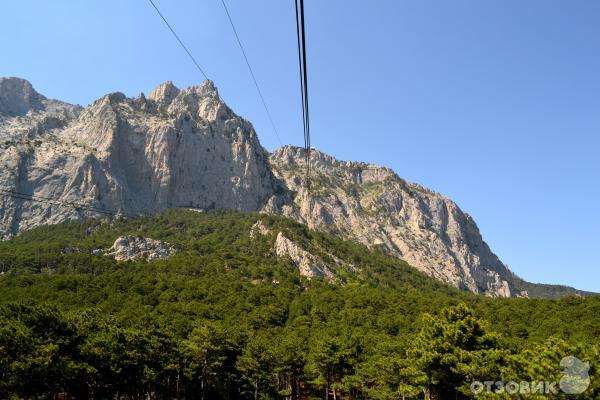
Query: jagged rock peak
[
  {"x": 201, "y": 101},
  {"x": 17, "y": 97},
  {"x": 165, "y": 93},
  {"x": 206, "y": 88}
]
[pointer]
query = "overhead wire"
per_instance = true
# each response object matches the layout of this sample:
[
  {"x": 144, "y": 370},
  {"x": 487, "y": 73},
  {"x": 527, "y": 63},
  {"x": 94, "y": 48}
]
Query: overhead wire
[
  {"x": 264, "y": 103},
  {"x": 189, "y": 53},
  {"x": 308, "y": 148},
  {"x": 300, "y": 69},
  {"x": 301, "y": 36}
]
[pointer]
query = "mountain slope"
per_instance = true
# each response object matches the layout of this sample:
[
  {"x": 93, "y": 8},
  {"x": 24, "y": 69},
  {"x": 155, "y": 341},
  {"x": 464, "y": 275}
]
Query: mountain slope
[
  {"x": 67, "y": 263},
  {"x": 373, "y": 205},
  {"x": 186, "y": 148},
  {"x": 224, "y": 314}
]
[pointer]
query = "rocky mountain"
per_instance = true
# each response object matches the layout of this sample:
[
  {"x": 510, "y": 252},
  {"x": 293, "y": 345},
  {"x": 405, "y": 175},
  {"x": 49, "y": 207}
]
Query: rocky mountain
[
  {"x": 187, "y": 148},
  {"x": 176, "y": 148},
  {"x": 374, "y": 206}
]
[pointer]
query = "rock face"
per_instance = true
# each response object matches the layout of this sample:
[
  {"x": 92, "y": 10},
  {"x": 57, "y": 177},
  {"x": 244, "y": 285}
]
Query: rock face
[
  {"x": 177, "y": 148},
  {"x": 17, "y": 97},
  {"x": 128, "y": 248},
  {"x": 259, "y": 229},
  {"x": 186, "y": 148},
  {"x": 309, "y": 265},
  {"x": 374, "y": 206}
]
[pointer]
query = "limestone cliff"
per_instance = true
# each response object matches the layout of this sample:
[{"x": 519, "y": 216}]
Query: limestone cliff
[
  {"x": 176, "y": 148},
  {"x": 186, "y": 148},
  {"x": 376, "y": 207}
]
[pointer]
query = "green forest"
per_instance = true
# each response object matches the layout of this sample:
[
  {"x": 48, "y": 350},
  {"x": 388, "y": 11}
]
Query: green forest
[{"x": 225, "y": 318}]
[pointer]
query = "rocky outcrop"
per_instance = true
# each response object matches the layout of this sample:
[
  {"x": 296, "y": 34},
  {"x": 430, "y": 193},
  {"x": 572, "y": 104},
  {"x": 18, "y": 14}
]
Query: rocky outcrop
[
  {"x": 128, "y": 248},
  {"x": 374, "y": 206},
  {"x": 186, "y": 148},
  {"x": 309, "y": 265},
  {"x": 17, "y": 97},
  {"x": 259, "y": 229}
]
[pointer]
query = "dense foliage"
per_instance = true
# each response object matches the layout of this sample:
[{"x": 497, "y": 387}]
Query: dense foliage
[{"x": 224, "y": 318}]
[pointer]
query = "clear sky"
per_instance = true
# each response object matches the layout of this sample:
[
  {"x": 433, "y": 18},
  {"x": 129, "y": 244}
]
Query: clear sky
[{"x": 495, "y": 104}]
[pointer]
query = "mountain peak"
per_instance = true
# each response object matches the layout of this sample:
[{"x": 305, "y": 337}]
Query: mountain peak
[
  {"x": 18, "y": 97},
  {"x": 206, "y": 88},
  {"x": 164, "y": 93}
]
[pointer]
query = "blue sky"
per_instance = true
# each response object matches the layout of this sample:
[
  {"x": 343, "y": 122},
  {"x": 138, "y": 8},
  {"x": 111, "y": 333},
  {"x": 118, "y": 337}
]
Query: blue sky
[{"x": 495, "y": 104}]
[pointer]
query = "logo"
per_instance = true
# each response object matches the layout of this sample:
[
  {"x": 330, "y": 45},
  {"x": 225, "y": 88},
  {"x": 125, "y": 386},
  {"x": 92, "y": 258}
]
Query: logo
[{"x": 576, "y": 378}]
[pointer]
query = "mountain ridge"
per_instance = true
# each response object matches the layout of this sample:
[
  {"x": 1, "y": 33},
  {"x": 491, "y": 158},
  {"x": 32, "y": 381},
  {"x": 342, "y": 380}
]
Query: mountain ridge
[{"x": 187, "y": 148}]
